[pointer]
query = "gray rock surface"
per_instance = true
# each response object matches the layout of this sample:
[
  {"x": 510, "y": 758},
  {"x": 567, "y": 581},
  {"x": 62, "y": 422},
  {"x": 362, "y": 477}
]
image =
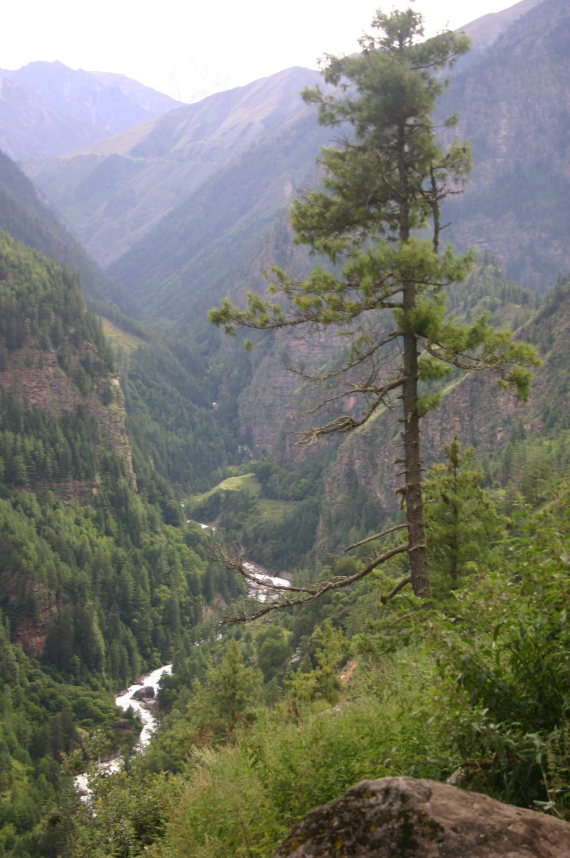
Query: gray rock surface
[
  {"x": 409, "y": 818},
  {"x": 144, "y": 693}
]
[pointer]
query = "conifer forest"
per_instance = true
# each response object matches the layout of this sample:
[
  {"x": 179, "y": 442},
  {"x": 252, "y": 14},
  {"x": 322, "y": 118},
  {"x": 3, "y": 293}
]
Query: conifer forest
[{"x": 285, "y": 413}]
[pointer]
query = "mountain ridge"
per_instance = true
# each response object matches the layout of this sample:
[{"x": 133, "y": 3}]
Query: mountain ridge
[
  {"x": 116, "y": 192},
  {"x": 47, "y": 108},
  {"x": 158, "y": 165}
]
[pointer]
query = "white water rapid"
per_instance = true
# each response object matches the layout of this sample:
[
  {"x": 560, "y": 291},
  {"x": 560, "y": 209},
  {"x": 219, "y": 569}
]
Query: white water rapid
[
  {"x": 125, "y": 701},
  {"x": 261, "y": 589},
  {"x": 142, "y": 708}
]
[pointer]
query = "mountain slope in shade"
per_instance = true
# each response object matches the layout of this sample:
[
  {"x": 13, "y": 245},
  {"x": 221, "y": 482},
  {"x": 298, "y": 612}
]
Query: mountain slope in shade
[
  {"x": 514, "y": 109},
  {"x": 205, "y": 247},
  {"x": 115, "y": 191},
  {"x": 25, "y": 217}
]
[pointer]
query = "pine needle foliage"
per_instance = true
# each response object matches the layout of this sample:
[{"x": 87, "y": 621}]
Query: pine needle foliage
[{"x": 377, "y": 221}]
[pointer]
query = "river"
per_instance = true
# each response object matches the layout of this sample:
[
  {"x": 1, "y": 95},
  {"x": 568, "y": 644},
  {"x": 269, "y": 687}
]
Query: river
[
  {"x": 260, "y": 589},
  {"x": 125, "y": 701}
]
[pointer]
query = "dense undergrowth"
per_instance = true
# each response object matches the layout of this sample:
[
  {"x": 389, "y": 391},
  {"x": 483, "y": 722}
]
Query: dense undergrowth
[{"x": 277, "y": 718}]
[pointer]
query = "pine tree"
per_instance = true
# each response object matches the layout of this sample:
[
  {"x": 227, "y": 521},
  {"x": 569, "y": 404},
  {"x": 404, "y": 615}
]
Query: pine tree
[
  {"x": 463, "y": 522},
  {"x": 230, "y": 692},
  {"x": 377, "y": 219}
]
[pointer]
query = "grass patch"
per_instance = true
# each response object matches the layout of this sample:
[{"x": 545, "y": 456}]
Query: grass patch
[
  {"x": 120, "y": 340},
  {"x": 275, "y": 511},
  {"x": 245, "y": 483}
]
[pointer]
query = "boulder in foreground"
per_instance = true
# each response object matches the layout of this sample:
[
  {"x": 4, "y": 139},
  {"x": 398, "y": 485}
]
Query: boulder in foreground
[{"x": 409, "y": 818}]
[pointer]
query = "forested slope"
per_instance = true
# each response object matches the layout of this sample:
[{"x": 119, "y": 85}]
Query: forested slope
[
  {"x": 27, "y": 218},
  {"x": 104, "y": 436},
  {"x": 95, "y": 585}
]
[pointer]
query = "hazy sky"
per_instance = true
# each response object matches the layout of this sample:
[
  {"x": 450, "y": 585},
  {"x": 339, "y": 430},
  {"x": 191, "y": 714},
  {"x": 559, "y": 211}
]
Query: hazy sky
[{"x": 183, "y": 47}]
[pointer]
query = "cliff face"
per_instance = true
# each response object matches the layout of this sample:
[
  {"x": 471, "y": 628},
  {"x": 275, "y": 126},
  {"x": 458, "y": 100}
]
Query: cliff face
[
  {"x": 474, "y": 410},
  {"x": 276, "y": 407},
  {"x": 31, "y": 628},
  {"x": 35, "y": 378},
  {"x": 362, "y": 474}
]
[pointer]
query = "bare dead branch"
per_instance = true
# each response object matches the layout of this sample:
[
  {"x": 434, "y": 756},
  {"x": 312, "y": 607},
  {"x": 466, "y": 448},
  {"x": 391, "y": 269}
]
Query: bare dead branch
[
  {"x": 346, "y": 367},
  {"x": 234, "y": 562},
  {"x": 364, "y": 388},
  {"x": 375, "y": 536},
  {"x": 319, "y": 589},
  {"x": 346, "y": 423}
]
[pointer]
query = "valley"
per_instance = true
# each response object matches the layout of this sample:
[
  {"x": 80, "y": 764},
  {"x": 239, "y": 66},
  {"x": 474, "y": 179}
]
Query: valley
[{"x": 243, "y": 375}]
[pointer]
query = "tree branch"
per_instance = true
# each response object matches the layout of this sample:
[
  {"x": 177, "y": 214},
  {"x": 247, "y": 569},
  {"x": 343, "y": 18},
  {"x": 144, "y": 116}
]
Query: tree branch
[
  {"x": 346, "y": 367},
  {"x": 376, "y": 536},
  {"x": 346, "y": 423},
  {"x": 317, "y": 590},
  {"x": 400, "y": 586}
]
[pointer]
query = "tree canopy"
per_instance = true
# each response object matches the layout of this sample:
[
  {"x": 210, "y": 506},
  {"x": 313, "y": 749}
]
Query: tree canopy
[{"x": 377, "y": 221}]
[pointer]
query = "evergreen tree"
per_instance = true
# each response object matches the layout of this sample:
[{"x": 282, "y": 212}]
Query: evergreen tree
[
  {"x": 230, "y": 692},
  {"x": 383, "y": 188},
  {"x": 463, "y": 522}
]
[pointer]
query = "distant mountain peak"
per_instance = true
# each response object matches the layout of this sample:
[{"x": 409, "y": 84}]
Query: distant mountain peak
[{"x": 73, "y": 108}]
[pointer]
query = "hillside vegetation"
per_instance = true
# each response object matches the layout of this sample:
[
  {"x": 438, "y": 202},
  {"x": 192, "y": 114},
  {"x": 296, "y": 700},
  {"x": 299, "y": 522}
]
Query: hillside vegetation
[
  {"x": 98, "y": 580},
  {"x": 280, "y": 717},
  {"x": 147, "y": 461}
]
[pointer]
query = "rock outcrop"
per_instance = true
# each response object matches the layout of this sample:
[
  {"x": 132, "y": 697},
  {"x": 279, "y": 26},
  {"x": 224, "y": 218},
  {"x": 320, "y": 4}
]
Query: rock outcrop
[
  {"x": 144, "y": 693},
  {"x": 409, "y": 818}
]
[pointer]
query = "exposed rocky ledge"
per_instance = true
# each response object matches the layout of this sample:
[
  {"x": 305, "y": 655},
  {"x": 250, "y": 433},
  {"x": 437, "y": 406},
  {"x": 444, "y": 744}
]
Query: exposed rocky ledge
[{"x": 408, "y": 818}]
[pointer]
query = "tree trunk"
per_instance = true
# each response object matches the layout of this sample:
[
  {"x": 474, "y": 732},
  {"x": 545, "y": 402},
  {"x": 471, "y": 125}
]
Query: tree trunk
[
  {"x": 413, "y": 497},
  {"x": 413, "y": 467}
]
